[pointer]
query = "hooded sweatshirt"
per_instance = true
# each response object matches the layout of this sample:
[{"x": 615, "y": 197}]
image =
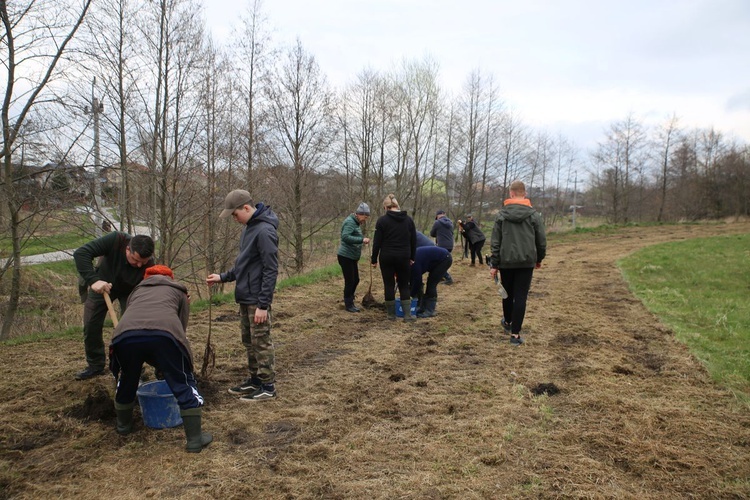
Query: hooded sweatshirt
[
  {"x": 395, "y": 236},
  {"x": 257, "y": 265},
  {"x": 442, "y": 231},
  {"x": 518, "y": 239}
]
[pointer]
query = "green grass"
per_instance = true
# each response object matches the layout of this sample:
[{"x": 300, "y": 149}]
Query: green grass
[
  {"x": 699, "y": 288},
  {"x": 51, "y": 243}
]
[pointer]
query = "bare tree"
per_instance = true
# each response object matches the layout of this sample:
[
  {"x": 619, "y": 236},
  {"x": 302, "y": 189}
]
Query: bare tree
[
  {"x": 301, "y": 131},
  {"x": 35, "y": 36},
  {"x": 667, "y": 136}
]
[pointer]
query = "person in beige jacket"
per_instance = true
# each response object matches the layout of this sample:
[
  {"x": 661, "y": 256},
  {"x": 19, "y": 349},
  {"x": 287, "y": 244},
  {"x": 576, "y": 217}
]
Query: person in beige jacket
[{"x": 152, "y": 330}]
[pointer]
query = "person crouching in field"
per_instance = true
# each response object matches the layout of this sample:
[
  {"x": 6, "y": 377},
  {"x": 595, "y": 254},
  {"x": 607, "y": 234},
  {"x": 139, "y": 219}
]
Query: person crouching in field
[
  {"x": 350, "y": 251},
  {"x": 152, "y": 330},
  {"x": 433, "y": 260},
  {"x": 518, "y": 245}
]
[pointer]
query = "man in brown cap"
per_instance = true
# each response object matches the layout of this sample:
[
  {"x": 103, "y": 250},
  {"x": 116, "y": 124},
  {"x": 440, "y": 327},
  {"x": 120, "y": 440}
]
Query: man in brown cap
[{"x": 255, "y": 271}]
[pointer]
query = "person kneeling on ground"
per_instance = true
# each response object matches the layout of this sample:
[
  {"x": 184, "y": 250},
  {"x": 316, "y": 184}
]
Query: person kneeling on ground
[
  {"x": 152, "y": 330},
  {"x": 433, "y": 260}
]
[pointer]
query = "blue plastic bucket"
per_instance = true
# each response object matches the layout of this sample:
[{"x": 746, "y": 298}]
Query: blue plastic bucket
[
  {"x": 158, "y": 405},
  {"x": 400, "y": 310}
]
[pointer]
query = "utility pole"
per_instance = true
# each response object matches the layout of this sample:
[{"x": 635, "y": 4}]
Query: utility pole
[
  {"x": 96, "y": 108},
  {"x": 575, "y": 204}
]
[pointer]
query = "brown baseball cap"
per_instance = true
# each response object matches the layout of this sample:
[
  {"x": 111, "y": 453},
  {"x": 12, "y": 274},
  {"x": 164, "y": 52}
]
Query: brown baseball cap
[{"x": 234, "y": 200}]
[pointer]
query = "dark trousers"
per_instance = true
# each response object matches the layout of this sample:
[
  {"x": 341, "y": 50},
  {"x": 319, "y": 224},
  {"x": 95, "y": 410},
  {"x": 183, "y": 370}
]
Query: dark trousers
[
  {"x": 517, "y": 283},
  {"x": 401, "y": 268},
  {"x": 128, "y": 356},
  {"x": 94, "y": 313},
  {"x": 434, "y": 277},
  {"x": 261, "y": 354},
  {"x": 476, "y": 252},
  {"x": 350, "y": 270}
]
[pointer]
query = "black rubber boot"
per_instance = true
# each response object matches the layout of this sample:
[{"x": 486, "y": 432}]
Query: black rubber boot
[
  {"x": 390, "y": 309},
  {"x": 124, "y": 414},
  {"x": 350, "y": 307},
  {"x": 429, "y": 308},
  {"x": 196, "y": 440}
]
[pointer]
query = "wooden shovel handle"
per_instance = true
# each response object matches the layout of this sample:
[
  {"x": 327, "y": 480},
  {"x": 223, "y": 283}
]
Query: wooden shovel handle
[{"x": 110, "y": 309}]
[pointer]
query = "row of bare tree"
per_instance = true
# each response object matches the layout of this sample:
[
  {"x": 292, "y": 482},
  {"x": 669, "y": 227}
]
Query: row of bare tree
[{"x": 186, "y": 120}]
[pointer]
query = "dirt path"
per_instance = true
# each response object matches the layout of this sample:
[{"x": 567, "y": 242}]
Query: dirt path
[{"x": 445, "y": 408}]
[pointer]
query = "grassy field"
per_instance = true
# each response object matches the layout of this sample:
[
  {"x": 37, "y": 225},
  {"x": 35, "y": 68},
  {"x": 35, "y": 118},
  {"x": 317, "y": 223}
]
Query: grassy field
[{"x": 699, "y": 288}]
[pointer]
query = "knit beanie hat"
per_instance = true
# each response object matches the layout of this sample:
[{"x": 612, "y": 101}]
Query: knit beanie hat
[
  {"x": 158, "y": 270},
  {"x": 363, "y": 209}
]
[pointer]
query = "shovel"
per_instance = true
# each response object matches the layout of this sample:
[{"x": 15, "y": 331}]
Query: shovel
[
  {"x": 111, "y": 309},
  {"x": 209, "y": 356},
  {"x": 368, "y": 300}
]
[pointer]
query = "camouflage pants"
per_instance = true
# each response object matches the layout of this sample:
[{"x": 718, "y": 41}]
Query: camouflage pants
[{"x": 257, "y": 342}]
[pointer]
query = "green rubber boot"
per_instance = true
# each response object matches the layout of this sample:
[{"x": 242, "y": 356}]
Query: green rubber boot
[
  {"x": 196, "y": 440},
  {"x": 124, "y": 414},
  {"x": 390, "y": 309}
]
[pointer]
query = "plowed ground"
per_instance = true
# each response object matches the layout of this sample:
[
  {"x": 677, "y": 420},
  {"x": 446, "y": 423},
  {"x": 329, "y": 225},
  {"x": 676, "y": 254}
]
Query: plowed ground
[{"x": 600, "y": 402}]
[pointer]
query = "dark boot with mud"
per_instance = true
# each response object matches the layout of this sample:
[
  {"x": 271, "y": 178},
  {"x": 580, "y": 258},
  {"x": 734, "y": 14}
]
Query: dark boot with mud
[
  {"x": 196, "y": 440},
  {"x": 390, "y": 309},
  {"x": 124, "y": 414},
  {"x": 429, "y": 309},
  {"x": 408, "y": 316}
]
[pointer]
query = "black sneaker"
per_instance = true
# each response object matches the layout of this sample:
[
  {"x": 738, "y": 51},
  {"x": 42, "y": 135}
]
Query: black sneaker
[
  {"x": 516, "y": 340},
  {"x": 264, "y": 392},
  {"x": 352, "y": 309},
  {"x": 89, "y": 373},
  {"x": 249, "y": 386},
  {"x": 506, "y": 325}
]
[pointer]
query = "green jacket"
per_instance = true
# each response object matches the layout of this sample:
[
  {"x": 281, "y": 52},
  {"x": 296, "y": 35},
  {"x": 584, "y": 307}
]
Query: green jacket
[
  {"x": 351, "y": 238},
  {"x": 518, "y": 239}
]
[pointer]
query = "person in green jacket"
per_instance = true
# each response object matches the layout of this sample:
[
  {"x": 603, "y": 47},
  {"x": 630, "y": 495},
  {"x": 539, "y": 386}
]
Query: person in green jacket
[
  {"x": 350, "y": 251},
  {"x": 122, "y": 261},
  {"x": 518, "y": 246}
]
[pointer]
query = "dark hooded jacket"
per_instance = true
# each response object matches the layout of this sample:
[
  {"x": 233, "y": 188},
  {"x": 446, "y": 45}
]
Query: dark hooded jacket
[
  {"x": 442, "y": 231},
  {"x": 257, "y": 265},
  {"x": 518, "y": 239},
  {"x": 395, "y": 236}
]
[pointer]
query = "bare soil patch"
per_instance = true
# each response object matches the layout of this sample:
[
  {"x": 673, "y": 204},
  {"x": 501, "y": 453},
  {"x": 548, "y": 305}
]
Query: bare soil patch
[{"x": 600, "y": 402}]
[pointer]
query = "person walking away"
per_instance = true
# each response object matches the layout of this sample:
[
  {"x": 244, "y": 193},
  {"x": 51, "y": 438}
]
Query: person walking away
[
  {"x": 153, "y": 330},
  {"x": 394, "y": 245},
  {"x": 255, "y": 271},
  {"x": 435, "y": 261},
  {"x": 476, "y": 239},
  {"x": 122, "y": 261},
  {"x": 519, "y": 245},
  {"x": 350, "y": 251},
  {"x": 442, "y": 231}
]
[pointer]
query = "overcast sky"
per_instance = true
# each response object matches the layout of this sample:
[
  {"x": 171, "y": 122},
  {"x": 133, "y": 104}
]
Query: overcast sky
[{"x": 567, "y": 66}]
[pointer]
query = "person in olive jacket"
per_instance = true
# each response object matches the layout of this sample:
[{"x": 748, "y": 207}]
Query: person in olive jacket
[
  {"x": 153, "y": 330},
  {"x": 350, "y": 251},
  {"x": 122, "y": 261},
  {"x": 518, "y": 246}
]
